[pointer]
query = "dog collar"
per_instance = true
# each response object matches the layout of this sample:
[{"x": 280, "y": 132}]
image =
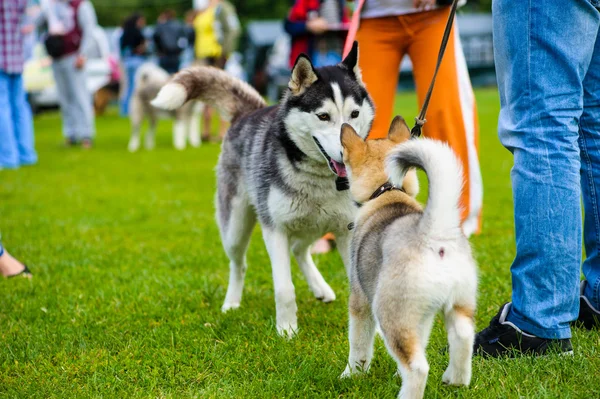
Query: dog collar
[
  {"x": 342, "y": 183},
  {"x": 385, "y": 187}
]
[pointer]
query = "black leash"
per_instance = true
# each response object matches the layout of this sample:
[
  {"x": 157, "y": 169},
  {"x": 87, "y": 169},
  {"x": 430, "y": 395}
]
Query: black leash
[{"x": 420, "y": 120}]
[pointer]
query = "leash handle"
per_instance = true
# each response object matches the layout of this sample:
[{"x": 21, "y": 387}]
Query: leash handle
[{"x": 420, "y": 119}]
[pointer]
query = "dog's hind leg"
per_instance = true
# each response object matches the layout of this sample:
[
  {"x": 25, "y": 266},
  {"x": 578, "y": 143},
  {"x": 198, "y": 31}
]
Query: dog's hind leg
[
  {"x": 136, "y": 112},
  {"x": 403, "y": 333},
  {"x": 236, "y": 221},
  {"x": 194, "y": 124},
  {"x": 461, "y": 333},
  {"x": 151, "y": 133},
  {"x": 316, "y": 282},
  {"x": 361, "y": 333},
  {"x": 277, "y": 243},
  {"x": 179, "y": 133}
]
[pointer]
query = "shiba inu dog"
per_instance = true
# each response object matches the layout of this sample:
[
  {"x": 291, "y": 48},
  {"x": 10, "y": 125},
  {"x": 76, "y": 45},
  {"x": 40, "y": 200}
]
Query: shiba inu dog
[
  {"x": 282, "y": 165},
  {"x": 149, "y": 79},
  {"x": 408, "y": 263}
]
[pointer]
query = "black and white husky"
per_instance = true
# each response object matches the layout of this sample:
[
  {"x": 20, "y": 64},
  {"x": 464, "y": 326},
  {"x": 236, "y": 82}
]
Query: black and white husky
[{"x": 283, "y": 166}]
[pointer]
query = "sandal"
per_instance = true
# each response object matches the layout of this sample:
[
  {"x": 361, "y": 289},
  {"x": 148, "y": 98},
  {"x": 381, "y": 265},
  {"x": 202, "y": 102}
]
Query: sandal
[{"x": 25, "y": 273}]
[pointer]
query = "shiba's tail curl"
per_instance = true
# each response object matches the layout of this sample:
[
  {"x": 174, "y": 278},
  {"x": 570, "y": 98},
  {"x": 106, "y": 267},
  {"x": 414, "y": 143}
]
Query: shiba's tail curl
[
  {"x": 445, "y": 175},
  {"x": 231, "y": 96}
]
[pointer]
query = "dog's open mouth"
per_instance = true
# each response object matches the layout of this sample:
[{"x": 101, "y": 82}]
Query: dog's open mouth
[{"x": 338, "y": 168}]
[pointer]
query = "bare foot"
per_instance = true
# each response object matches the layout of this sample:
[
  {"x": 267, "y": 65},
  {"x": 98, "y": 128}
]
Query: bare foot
[{"x": 9, "y": 266}]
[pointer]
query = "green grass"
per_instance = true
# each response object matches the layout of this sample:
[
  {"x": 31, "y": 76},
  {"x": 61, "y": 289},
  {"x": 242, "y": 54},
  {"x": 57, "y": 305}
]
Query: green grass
[{"x": 130, "y": 277}]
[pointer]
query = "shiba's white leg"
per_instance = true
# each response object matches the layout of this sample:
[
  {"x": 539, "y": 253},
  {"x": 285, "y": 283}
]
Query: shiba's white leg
[
  {"x": 278, "y": 247},
  {"x": 236, "y": 229},
  {"x": 361, "y": 333},
  {"x": 402, "y": 336},
  {"x": 151, "y": 133},
  {"x": 316, "y": 282},
  {"x": 194, "y": 125},
  {"x": 461, "y": 333},
  {"x": 136, "y": 116},
  {"x": 179, "y": 127}
]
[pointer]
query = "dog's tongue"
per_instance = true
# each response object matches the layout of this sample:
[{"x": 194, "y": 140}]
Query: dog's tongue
[{"x": 340, "y": 168}]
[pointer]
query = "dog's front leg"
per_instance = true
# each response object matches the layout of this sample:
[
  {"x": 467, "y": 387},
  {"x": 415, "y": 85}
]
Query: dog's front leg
[
  {"x": 343, "y": 245},
  {"x": 277, "y": 243}
]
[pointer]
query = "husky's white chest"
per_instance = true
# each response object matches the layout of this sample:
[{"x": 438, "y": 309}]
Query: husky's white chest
[{"x": 314, "y": 210}]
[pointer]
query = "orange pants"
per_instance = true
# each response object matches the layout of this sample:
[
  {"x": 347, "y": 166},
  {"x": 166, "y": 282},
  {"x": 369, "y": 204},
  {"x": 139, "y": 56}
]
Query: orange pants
[{"x": 452, "y": 113}]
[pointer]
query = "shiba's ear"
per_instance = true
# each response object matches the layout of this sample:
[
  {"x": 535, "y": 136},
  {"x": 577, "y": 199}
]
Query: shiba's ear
[
  {"x": 303, "y": 75},
  {"x": 351, "y": 62},
  {"x": 351, "y": 141},
  {"x": 399, "y": 131}
]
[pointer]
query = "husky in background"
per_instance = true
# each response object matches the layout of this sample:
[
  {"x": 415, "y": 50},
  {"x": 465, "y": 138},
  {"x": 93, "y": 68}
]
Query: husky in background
[
  {"x": 279, "y": 165},
  {"x": 408, "y": 264},
  {"x": 149, "y": 79}
]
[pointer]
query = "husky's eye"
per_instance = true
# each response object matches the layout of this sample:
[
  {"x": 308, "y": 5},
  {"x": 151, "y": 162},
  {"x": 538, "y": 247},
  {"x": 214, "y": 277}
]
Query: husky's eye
[
  {"x": 354, "y": 114},
  {"x": 324, "y": 116}
]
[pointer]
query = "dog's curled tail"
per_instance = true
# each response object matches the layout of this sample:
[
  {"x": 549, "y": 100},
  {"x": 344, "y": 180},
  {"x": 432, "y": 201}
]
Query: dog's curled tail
[
  {"x": 231, "y": 96},
  {"x": 445, "y": 175}
]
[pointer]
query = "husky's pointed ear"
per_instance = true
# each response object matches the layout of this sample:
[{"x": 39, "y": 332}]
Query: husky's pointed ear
[
  {"x": 351, "y": 62},
  {"x": 399, "y": 131},
  {"x": 351, "y": 141},
  {"x": 303, "y": 75}
]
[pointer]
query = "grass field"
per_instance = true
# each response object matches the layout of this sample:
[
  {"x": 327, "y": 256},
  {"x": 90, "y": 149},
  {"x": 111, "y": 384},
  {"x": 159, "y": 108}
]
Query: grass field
[{"x": 129, "y": 277}]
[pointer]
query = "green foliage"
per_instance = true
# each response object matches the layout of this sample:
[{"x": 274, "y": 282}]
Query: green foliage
[{"x": 129, "y": 277}]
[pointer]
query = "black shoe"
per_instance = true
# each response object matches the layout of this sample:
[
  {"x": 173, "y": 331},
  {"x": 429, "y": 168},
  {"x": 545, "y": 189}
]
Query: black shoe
[
  {"x": 503, "y": 338},
  {"x": 589, "y": 317},
  {"x": 70, "y": 142}
]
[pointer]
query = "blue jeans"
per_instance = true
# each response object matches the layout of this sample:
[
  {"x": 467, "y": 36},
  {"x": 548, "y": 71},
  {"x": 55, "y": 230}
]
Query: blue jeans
[
  {"x": 131, "y": 63},
  {"x": 16, "y": 125},
  {"x": 548, "y": 68}
]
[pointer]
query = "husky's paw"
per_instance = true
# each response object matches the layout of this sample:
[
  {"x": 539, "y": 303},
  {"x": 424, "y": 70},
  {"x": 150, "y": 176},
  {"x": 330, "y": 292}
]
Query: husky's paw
[
  {"x": 227, "y": 306},
  {"x": 287, "y": 330},
  {"x": 347, "y": 373},
  {"x": 179, "y": 146},
  {"x": 149, "y": 144},
  {"x": 452, "y": 376},
  {"x": 134, "y": 144},
  {"x": 324, "y": 293}
]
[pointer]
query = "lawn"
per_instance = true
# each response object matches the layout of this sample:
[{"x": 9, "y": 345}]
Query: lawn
[{"x": 129, "y": 278}]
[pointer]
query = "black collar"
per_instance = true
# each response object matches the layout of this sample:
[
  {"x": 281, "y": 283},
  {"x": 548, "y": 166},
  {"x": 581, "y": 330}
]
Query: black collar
[{"x": 385, "y": 187}]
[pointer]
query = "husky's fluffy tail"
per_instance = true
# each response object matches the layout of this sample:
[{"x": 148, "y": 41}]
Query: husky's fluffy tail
[
  {"x": 445, "y": 175},
  {"x": 231, "y": 96}
]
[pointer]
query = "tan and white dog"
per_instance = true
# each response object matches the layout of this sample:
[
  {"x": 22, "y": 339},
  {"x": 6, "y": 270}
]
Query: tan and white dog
[
  {"x": 407, "y": 263},
  {"x": 149, "y": 79}
]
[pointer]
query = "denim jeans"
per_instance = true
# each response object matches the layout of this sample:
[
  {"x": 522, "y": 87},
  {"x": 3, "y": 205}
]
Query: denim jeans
[
  {"x": 16, "y": 126},
  {"x": 131, "y": 63},
  {"x": 548, "y": 68}
]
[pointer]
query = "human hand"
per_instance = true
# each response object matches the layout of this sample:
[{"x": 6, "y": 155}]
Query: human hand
[
  {"x": 317, "y": 26},
  {"x": 424, "y": 5},
  {"x": 79, "y": 62}
]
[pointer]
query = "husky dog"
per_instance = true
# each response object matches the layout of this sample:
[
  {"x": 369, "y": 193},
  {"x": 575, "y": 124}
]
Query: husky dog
[
  {"x": 280, "y": 165},
  {"x": 407, "y": 264},
  {"x": 149, "y": 79}
]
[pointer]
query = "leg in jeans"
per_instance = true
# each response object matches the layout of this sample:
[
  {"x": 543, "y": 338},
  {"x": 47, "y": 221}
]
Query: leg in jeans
[
  {"x": 65, "y": 96},
  {"x": 9, "y": 155},
  {"x": 82, "y": 103},
  {"x": 23, "y": 123},
  {"x": 589, "y": 142},
  {"x": 541, "y": 65}
]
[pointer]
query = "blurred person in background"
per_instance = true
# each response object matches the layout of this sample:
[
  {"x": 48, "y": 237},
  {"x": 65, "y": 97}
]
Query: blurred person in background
[
  {"x": 16, "y": 126},
  {"x": 171, "y": 38},
  {"x": 389, "y": 29},
  {"x": 9, "y": 266},
  {"x": 71, "y": 26},
  {"x": 317, "y": 28},
  {"x": 133, "y": 55},
  {"x": 217, "y": 30}
]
